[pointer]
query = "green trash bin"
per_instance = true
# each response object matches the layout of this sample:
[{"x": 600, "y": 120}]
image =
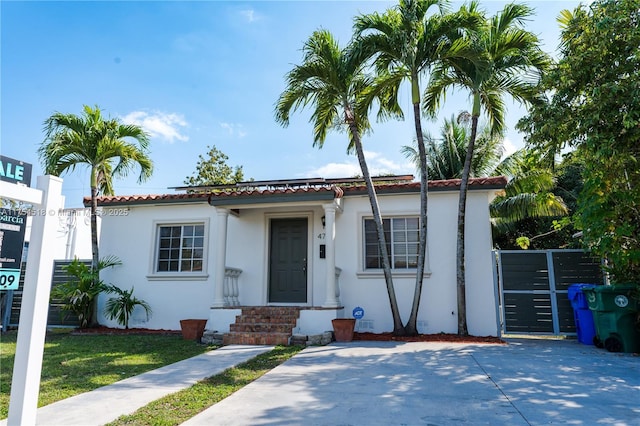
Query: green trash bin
[{"x": 615, "y": 314}]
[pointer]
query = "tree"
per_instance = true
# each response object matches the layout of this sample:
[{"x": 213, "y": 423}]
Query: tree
[
  {"x": 100, "y": 144},
  {"x": 79, "y": 294},
  {"x": 508, "y": 61},
  {"x": 121, "y": 307},
  {"x": 214, "y": 170},
  {"x": 445, "y": 155},
  {"x": 405, "y": 42},
  {"x": 593, "y": 105},
  {"x": 333, "y": 82},
  {"x": 529, "y": 191}
]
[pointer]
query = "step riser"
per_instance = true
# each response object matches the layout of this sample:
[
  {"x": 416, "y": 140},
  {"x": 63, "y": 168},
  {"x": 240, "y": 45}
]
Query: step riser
[
  {"x": 263, "y": 325},
  {"x": 262, "y": 328},
  {"x": 247, "y": 319}
]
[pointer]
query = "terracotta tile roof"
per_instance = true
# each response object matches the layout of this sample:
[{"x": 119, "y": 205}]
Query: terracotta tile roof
[{"x": 306, "y": 192}]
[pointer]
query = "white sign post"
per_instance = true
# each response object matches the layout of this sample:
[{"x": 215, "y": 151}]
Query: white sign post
[{"x": 25, "y": 385}]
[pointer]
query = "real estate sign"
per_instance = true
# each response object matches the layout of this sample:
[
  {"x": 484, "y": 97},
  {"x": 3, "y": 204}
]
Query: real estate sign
[
  {"x": 12, "y": 227},
  {"x": 15, "y": 171}
]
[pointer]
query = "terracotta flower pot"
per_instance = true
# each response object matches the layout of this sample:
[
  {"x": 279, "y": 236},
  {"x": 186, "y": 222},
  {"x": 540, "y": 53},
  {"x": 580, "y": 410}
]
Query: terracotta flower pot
[
  {"x": 192, "y": 329},
  {"x": 343, "y": 329}
]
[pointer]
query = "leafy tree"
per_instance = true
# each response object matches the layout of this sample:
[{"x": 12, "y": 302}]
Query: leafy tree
[
  {"x": 121, "y": 307},
  {"x": 593, "y": 104},
  {"x": 333, "y": 82},
  {"x": 508, "y": 61},
  {"x": 214, "y": 170},
  {"x": 405, "y": 42},
  {"x": 528, "y": 194},
  {"x": 80, "y": 293},
  {"x": 100, "y": 144}
]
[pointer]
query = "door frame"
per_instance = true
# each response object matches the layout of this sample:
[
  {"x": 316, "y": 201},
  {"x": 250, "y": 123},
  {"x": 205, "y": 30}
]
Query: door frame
[{"x": 309, "y": 215}]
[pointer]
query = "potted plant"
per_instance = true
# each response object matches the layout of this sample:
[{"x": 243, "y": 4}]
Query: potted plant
[
  {"x": 192, "y": 329},
  {"x": 343, "y": 329}
]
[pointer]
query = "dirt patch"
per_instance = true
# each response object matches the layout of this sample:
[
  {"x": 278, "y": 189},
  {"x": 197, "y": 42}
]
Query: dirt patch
[{"x": 440, "y": 337}]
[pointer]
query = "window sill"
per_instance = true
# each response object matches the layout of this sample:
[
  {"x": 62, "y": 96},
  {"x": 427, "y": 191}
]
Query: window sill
[
  {"x": 394, "y": 273},
  {"x": 178, "y": 277}
]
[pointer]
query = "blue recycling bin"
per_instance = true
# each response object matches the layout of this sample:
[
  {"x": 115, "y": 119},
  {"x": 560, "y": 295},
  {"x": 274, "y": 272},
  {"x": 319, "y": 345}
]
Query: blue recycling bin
[{"x": 582, "y": 315}]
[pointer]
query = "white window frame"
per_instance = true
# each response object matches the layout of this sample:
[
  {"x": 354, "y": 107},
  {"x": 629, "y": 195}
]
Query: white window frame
[
  {"x": 154, "y": 274},
  {"x": 364, "y": 272}
]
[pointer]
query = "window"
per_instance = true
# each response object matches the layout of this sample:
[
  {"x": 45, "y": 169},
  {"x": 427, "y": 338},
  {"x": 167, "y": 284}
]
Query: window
[
  {"x": 180, "y": 248},
  {"x": 401, "y": 234}
]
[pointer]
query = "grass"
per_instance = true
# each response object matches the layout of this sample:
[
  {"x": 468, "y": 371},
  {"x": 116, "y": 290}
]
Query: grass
[
  {"x": 76, "y": 364},
  {"x": 176, "y": 408}
]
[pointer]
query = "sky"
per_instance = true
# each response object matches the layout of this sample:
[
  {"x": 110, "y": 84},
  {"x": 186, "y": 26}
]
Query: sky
[{"x": 195, "y": 74}]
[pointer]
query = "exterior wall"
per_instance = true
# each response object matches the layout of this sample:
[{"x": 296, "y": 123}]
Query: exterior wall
[
  {"x": 131, "y": 237},
  {"x": 438, "y": 306},
  {"x": 73, "y": 238}
]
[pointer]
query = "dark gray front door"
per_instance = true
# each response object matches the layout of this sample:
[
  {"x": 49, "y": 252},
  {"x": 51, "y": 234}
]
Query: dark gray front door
[{"x": 288, "y": 261}]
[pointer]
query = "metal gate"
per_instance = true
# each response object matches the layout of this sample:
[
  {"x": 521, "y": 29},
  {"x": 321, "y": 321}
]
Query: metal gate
[
  {"x": 12, "y": 300},
  {"x": 533, "y": 288}
]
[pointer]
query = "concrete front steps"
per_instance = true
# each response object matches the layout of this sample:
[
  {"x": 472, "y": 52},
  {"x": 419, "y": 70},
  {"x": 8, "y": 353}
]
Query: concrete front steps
[{"x": 263, "y": 325}]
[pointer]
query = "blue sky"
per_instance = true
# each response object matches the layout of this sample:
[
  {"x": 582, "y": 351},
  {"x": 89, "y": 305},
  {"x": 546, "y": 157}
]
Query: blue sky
[{"x": 195, "y": 74}]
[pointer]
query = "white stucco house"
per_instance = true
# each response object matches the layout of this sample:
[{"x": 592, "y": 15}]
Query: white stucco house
[{"x": 303, "y": 243}]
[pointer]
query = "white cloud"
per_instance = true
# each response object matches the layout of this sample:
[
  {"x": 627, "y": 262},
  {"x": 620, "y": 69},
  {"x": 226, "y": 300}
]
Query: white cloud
[
  {"x": 509, "y": 147},
  {"x": 376, "y": 162},
  {"x": 250, "y": 15},
  {"x": 234, "y": 129},
  {"x": 159, "y": 124}
]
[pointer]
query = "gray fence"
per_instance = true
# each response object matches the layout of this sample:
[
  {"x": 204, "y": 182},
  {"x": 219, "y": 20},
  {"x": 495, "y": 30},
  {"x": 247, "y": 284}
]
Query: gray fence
[
  {"x": 12, "y": 300},
  {"x": 533, "y": 288}
]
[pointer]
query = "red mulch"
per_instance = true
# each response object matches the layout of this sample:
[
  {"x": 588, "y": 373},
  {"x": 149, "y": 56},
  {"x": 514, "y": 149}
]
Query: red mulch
[
  {"x": 440, "y": 337},
  {"x": 131, "y": 331}
]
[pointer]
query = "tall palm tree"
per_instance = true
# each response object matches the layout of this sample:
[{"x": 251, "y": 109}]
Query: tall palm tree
[
  {"x": 100, "y": 144},
  {"x": 508, "y": 61},
  {"x": 405, "y": 42},
  {"x": 333, "y": 82}
]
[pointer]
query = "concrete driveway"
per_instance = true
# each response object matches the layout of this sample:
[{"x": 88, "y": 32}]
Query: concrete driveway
[{"x": 527, "y": 382}]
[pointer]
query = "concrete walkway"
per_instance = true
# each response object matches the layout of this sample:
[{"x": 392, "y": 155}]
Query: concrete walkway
[
  {"x": 107, "y": 403},
  {"x": 528, "y": 382}
]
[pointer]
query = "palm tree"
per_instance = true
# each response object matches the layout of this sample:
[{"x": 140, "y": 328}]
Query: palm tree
[
  {"x": 121, "y": 307},
  {"x": 90, "y": 140},
  {"x": 528, "y": 193},
  {"x": 333, "y": 81},
  {"x": 405, "y": 43},
  {"x": 508, "y": 61},
  {"x": 445, "y": 156}
]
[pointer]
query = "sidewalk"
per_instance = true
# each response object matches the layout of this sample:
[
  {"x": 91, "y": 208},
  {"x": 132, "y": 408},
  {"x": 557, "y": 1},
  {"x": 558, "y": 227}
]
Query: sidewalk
[{"x": 107, "y": 403}]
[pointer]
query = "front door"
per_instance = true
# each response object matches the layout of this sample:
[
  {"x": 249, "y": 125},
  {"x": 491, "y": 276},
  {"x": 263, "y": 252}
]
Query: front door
[{"x": 288, "y": 261}]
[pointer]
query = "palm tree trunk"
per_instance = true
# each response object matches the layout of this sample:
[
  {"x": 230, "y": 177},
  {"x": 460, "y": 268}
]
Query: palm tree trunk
[
  {"x": 411, "y": 327},
  {"x": 462, "y": 205},
  {"x": 398, "y": 328},
  {"x": 94, "y": 249}
]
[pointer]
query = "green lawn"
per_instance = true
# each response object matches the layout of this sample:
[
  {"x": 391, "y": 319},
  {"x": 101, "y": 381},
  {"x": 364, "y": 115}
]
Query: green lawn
[
  {"x": 178, "y": 407},
  {"x": 77, "y": 364}
]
